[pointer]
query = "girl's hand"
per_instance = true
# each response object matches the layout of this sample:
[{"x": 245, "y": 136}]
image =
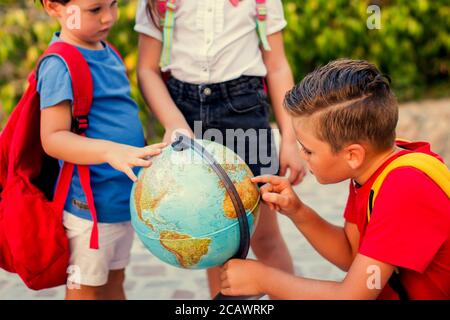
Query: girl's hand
[
  {"x": 290, "y": 158},
  {"x": 170, "y": 134},
  {"x": 241, "y": 277},
  {"x": 278, "y": 194},
  {"x": 124, "y": 157}
]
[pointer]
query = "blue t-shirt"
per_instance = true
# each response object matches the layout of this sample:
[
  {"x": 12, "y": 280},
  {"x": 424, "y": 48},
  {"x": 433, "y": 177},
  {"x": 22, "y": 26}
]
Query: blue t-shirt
[{"x": 113, "y": 116}]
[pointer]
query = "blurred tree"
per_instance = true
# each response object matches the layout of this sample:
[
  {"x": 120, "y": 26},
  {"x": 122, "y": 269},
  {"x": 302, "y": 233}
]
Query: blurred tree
[
  {"x": 412, "y": 45},
  {"x": 25, "y": 31}
]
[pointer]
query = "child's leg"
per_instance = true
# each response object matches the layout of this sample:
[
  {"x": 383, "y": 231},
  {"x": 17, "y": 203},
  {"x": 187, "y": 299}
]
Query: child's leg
[
  {"x": 85, "y": 293},
  {"x": 268, "y": 245},
  {"x": 97, "y": 274},
  {"x": 112, "y": 290}
]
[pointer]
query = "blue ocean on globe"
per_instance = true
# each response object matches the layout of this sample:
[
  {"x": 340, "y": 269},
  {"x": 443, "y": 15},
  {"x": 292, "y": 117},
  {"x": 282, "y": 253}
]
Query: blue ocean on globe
[{"x": 182, "y": 212}]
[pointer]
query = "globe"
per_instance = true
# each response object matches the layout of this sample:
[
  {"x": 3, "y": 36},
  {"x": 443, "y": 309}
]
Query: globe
[{"x": 182, "y": 212}]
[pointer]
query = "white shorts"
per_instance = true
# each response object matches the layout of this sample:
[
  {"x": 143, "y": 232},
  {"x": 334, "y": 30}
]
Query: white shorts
[{"x": 91, "y": 267}]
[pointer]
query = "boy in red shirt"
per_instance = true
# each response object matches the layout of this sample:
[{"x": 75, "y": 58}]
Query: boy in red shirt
[{"x": 344, "y": 115}]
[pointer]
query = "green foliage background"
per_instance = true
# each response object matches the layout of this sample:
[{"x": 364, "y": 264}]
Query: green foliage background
[{"x": 412, "y": 46}]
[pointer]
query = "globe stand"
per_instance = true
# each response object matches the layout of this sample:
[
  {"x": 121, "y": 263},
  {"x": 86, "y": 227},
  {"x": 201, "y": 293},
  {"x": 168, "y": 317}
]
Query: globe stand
[{"x": 183, "y": 142}]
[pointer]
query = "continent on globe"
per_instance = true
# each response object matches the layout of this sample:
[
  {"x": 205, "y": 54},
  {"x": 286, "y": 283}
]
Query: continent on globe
[
  {"x": 142, "y": 201},
  {"x": 186, "y": 249},
  {"x": 246, "y": 189}
]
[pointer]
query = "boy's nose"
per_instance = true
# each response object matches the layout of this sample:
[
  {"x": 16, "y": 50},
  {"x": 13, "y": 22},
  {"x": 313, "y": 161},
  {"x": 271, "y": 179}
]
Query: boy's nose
[{"x": 107, "y": 18}]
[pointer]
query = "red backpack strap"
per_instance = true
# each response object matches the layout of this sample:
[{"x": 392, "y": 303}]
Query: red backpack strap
[
  {"x": 82, "y": 87},
  {"x": 115, "y": 50}
]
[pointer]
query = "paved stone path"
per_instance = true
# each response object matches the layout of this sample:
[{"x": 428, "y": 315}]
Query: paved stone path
[{"x": 148, "y": 278}]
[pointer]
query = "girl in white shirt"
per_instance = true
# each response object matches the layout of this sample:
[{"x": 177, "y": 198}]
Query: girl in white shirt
[{"x": 217, "y": 69}]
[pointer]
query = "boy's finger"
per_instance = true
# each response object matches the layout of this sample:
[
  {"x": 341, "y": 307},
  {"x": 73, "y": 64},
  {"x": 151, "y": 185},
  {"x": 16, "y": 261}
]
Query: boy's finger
[
  {"x": 275, "y": 199},
  {"x": 127, "y": 170},
  {"x": 274, "y": 180},
  {"x": 226, "y": 291},
  {"x": 266, "y": 188},
  {"x": 223, "y": 275}
]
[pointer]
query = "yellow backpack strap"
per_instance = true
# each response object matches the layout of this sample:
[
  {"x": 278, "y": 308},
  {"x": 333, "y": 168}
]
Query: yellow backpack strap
[{"x": 432, "y": 167}]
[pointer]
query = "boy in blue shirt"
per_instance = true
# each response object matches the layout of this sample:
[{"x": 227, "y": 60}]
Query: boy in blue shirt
[{"x": 113, "y": 145}]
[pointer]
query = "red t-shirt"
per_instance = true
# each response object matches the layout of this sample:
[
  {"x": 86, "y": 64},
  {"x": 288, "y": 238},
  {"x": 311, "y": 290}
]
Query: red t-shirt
[{"x": 409, "y": 228}]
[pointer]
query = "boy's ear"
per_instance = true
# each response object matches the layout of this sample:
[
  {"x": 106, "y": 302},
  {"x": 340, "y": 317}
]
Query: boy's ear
[
  {"x": 355, "y": 155},
  {"x": 53, "y": 8}
]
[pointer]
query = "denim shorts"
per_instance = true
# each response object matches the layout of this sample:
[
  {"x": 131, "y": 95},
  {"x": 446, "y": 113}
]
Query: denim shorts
[{"x": 234, "y": 113}]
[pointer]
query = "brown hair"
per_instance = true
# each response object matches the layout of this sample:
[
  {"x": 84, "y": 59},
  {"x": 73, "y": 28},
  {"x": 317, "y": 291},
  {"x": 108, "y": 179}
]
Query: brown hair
[
  {"x": 354, "y": 101},
  {"x": 153, "y": 12},
  {"x": 59, "y": 1}
]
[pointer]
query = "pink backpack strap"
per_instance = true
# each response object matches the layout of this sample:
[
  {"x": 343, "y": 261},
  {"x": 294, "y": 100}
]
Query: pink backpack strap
[
  {"x": 82, "y": 87},
  {"x": 261, "y": 23},
  {"x": 162, "y": 7}
]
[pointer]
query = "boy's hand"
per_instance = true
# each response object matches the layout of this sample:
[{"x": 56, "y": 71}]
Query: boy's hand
[
  {"x": 278, "y": 194},
  {"x": 290, "y": 158},
  {"x": 241, "y": 277},
  {"x": 124, "y": 157}
]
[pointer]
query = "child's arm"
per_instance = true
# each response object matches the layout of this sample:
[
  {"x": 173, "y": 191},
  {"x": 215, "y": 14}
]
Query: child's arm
[
  {"x": 279, "y": 81},
  {"x": 154, "y": 89},
  {"x": 336, "y": 244},
  {"x": 365, "y": 280},
  {"x": 59, "y": 142}
]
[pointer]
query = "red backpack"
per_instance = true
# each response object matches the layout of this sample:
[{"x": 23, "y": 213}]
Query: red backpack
[{"x": 33, "y": 242}]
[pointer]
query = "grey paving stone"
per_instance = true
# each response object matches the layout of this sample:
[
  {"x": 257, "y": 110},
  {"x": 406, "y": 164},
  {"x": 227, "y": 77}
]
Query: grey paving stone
[
  {"x": 46, "y": 293},
  {"x": 143, "y": 270},
  {"x": 183, "y": 294}
]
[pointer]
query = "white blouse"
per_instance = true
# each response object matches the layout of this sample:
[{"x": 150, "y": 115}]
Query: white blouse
[{"x": 214, "y": 41}]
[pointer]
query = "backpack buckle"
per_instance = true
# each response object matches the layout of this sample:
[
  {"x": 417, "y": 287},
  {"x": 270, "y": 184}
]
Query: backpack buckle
[
  {"x": 171, "y": 4},
  {"x": 80, "y": 124},
  {"x": 261, "y": 12}
]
